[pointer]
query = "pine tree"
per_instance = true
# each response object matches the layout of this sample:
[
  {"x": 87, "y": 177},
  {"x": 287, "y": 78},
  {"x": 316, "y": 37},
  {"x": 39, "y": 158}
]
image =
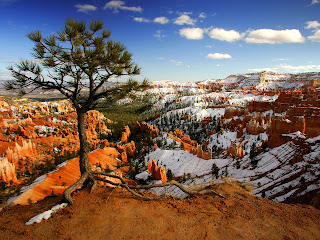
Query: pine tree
[
  {"x": 253, "y": 154},
  {"x": 77, "y": 62},
  {"x": 215, "y": 170}
]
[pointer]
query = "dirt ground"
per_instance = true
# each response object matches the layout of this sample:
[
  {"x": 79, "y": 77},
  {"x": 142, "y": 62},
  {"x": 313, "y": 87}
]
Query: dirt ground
[{"x": 115, "y": 214}]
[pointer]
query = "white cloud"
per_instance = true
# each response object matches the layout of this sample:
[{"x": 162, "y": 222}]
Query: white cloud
[
  {"x": 184, "y": 19},
  {"x": 315, "y": 37},
  {"x": 271, "y": 36},
  {"x": 218, "y": 65},
  {"x": 218, "y": 56},
  {"x": 141, "y": 19},
  {"x": 314, "y": 2},
  {"x": 160, "y": 58},
  {"x": 161, "y": 20},
  {"x": 202, "y": 15},
  {"x": 312, "y": 24},
  {"x": 85, "y": 8},
  {"x": 159, "y": 34},
  {"x": 117, "y": 4},
  {"x": 225, "y": 35},
  {"x": 192, "y": 33}
]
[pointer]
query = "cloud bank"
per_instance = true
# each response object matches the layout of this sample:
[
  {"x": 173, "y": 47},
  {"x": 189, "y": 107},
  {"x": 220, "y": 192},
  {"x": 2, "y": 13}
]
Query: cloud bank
[{"x": 271, "y": 36}]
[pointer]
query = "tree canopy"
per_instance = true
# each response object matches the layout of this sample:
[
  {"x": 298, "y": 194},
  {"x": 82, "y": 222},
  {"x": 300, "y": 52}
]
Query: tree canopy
[{"x": 78, "y": 62}]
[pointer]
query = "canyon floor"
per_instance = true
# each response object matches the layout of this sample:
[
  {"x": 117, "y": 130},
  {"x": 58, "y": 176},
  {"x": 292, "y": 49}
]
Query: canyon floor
[{"x": 115, "y": 214}]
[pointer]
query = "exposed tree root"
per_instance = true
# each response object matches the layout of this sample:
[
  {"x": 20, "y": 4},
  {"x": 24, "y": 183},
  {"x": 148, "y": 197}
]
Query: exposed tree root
[
  {"x": 67, "y": 193},
  {"x": 132, "y": 189}
]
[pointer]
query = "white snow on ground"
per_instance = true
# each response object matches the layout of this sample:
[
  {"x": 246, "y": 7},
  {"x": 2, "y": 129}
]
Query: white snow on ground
[
  {"x": 222, "y": 139},
  {"x": 182, "y": 162},
  {"x": 47, "y": 214},
  {"x": 277, "y": 85},
  {"x": 275, "y": 174},
  {"x": 143, "y": 175}
]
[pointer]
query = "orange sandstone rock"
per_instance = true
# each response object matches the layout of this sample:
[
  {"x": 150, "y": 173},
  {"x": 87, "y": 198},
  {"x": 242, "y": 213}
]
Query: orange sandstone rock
[
  {"x": 157, "y": 172},
  {"x": 7, "y": 171},
  {"x": 125, "y": 134},
  {"x": 56, "y": 182}
]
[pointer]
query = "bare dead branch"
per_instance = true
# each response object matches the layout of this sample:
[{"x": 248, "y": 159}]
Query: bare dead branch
[{"x": 145, "y": 187}]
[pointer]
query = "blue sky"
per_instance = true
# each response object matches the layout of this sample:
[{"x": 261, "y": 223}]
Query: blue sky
[{"x": 180, "y": 40}]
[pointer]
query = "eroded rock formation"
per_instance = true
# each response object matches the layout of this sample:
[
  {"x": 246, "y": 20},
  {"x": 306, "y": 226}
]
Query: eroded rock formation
[
  {"x": 35, "y": 133},
  {"x": 157, "y": 172}
]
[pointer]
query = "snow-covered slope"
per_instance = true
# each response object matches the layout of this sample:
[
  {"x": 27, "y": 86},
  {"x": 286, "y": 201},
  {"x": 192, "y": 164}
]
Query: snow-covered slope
[{"x": 275, "y": 176}]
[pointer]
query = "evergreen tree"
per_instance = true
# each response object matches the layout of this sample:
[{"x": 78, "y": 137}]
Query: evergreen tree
[
  {"x": 253, "y": 154},
  {"x": 169, "y": 174},
  {"x": 77, "y": 62},
  {"x": 215, "y": 170}
]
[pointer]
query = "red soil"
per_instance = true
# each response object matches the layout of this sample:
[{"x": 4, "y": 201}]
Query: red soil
[{"x": 108, "y": 214}]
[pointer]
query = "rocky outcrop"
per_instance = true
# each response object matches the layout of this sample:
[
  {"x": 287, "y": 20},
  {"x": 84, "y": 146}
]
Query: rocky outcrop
[
  {"x": 231, "y": 112},
  {"x": 191, "y": 146},
  {"x": 125, "y": 134},
  {"x": 253, "y": 127},
  {"x": 7, "y": 171},
  {"x": 27, "y": 151},
  {"x": 255, "y": 106},
  {"x": 206, "y": 155},
  {"x": 235, "y": 150},
  {"x": 128, "y": 148},
  {"x": 240, "y": 131},
  {"x": 185, "y": 138},
  {"x": 143, "y": 126},
  {"x": 56, "y": 182},
  {"x": 124, "y": 157},
  {"x": 34, "y": 133},
  {"x": 3, "y": 124},
  {"x": 157, "y": 172}
]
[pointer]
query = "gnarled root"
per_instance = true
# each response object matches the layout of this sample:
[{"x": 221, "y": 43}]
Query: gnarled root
[
  {"x": 132, "y": 189},
  {"x": 84, "y": 177}
]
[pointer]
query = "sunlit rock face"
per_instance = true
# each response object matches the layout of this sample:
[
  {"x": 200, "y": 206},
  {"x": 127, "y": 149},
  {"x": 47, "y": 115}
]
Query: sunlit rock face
[
  {"x": 36, "y": 133},
  {"x": 67, "y": 174},
  {"x": 125, "y": 134},
  {"x": 7, "y": 171},
  {"x": 157, "y": 172}
]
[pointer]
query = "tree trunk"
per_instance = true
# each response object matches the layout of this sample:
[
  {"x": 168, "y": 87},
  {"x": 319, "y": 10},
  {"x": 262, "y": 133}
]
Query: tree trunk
[
  {"x": 85, "y": 168},
  {"x": 84, "y": 145}
]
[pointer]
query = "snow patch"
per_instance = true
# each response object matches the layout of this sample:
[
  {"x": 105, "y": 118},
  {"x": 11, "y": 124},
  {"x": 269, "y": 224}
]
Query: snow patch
[{"x": 47, "y": 214}]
